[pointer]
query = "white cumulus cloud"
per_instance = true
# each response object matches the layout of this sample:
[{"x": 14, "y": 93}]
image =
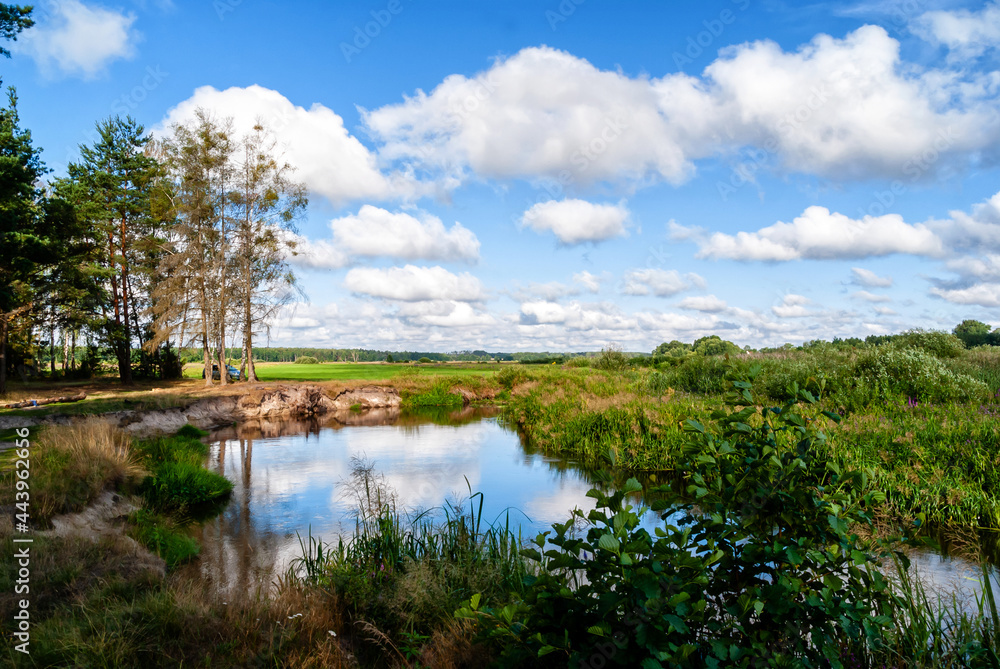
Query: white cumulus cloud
[
  {"x": 965, "y": 33},
  {"x": 792, "y": 306},
  {"x": 577, "y": 221},
  {"x": 870, "y": 297},
  {"x": 78, "y": 39},
  {"x": 659, "y": 282},
  {"x": 377, "y": 232},
  {"x": 707, "y": 303},
  {"x": 329, "y": 160},
  {"x": 842, "y": 108},
  {"x": 982, "y": 294},
  {"x": 868, "y": 278},
  {"x": 591, "y": 282},
  {"x": 821, "y": 234},
  {"x": 412, "y": 284}
]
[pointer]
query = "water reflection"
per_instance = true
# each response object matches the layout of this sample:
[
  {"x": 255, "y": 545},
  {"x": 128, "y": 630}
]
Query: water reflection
[{"x": 292, "y": 477}]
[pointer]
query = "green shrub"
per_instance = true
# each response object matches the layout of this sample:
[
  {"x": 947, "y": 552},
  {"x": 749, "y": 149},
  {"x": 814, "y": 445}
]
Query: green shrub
[
  {"x": 306, "y": 360},
  {"x": 754, "y": 566},
  {"x": 715, "y": 345},
  {"x": 703, "y": 374},
  {"x": 888, "y": 373},
  {"x": 178, "y": 477},
  {"x": 940, "y": 344},
  {"x": 425, "y": 360},
  {"x": 511, "y": 375},
  {"x": 611, "y": 359},
  {"x": 191, "y": 432}
]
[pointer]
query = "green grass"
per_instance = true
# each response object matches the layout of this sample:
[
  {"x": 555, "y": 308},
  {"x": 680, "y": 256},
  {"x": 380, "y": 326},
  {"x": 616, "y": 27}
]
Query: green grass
[
  {"x": 161, "y": 536},
  {"x": 178, "y": 479}
]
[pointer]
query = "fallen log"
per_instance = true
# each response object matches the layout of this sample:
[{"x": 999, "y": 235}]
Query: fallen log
[{"x": 50, "y": 400}]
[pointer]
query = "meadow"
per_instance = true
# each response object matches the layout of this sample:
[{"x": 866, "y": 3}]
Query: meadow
[
  {"x": 794, "y": 479},
  {"x": 350, "y": 371}
]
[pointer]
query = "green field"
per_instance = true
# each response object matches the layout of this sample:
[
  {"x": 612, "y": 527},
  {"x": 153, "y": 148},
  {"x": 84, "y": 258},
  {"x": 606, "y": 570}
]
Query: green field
[{"x": 349, "y": 371}]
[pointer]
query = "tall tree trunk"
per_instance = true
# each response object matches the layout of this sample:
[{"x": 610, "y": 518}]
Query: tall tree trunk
[
  {"x": 205, "y": 317},
  {"x": 207, "y": 357},
  {"x": 72, "y": 364},
  {"x": 126, "y": 372},
  {"x": 248, "y": 324},
  {"x": 3, "y": 354},
  {"x": 65, "y": 351}
]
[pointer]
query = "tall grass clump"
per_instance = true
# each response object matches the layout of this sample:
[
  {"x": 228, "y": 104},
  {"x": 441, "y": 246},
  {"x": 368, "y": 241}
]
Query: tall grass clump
[
  {"x": 438, "y": 395},
  {"x": 71, "y": 465},
  {"x": 178, "y": 479},
  {"x": 405, "y": 572}
]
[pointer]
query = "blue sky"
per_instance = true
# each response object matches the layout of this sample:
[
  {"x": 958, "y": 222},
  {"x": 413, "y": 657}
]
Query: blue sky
[{"x": 568, "y": 175}]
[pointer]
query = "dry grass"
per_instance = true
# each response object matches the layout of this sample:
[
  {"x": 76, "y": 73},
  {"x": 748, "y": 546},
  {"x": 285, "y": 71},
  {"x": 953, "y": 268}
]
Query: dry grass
[{"x": 71, "y": 465}]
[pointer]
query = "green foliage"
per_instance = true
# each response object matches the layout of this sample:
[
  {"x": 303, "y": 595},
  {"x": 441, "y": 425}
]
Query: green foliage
[
  {"x": 893, "y": 372},
  {"x": 715, "y": 345},
  {"x": 673, "y": 349},
  {"x": 703, "y": 374},
  {"x": 611, "y": 359},
  {"x": 13, "y": 19},
  {"x": 424, "y": 360},
  {"x": 306, "y": 360},
  {"x": 511, "y": 375},
  {"x": 161, "y": 536},
  {"x": 939, "y": 344},
  {"x": 440, "y": 394},
  {"x": 191, "y": 432},
  {"x": 178, "y": 477},
  {"x": 756, "y": 563},
  {"x": 179, "y": 485},
  {"x": 976, "y": 333}
]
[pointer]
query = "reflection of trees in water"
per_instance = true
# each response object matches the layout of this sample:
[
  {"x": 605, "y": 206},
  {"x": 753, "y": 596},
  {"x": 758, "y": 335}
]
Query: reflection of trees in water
[
  {"x": 238, "y": 551},
  {"x": 235, "y": 555}
]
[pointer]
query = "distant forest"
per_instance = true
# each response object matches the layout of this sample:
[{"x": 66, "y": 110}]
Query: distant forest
[{"x": 291, "y": 354}]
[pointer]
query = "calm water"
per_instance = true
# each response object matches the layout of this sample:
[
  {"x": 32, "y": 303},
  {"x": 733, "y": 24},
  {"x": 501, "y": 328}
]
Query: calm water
[{"x": 294, "y": 477}]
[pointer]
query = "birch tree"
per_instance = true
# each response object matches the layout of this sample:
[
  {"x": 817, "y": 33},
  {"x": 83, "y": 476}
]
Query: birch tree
[
  {"x": 266, "y": 203},
  {"x": 190, "y": 296}
]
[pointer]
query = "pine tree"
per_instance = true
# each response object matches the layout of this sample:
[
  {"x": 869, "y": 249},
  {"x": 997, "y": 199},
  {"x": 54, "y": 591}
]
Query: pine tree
[
  {"x": 115, "y": 180},
  {"x": 21, "y": 245}
]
